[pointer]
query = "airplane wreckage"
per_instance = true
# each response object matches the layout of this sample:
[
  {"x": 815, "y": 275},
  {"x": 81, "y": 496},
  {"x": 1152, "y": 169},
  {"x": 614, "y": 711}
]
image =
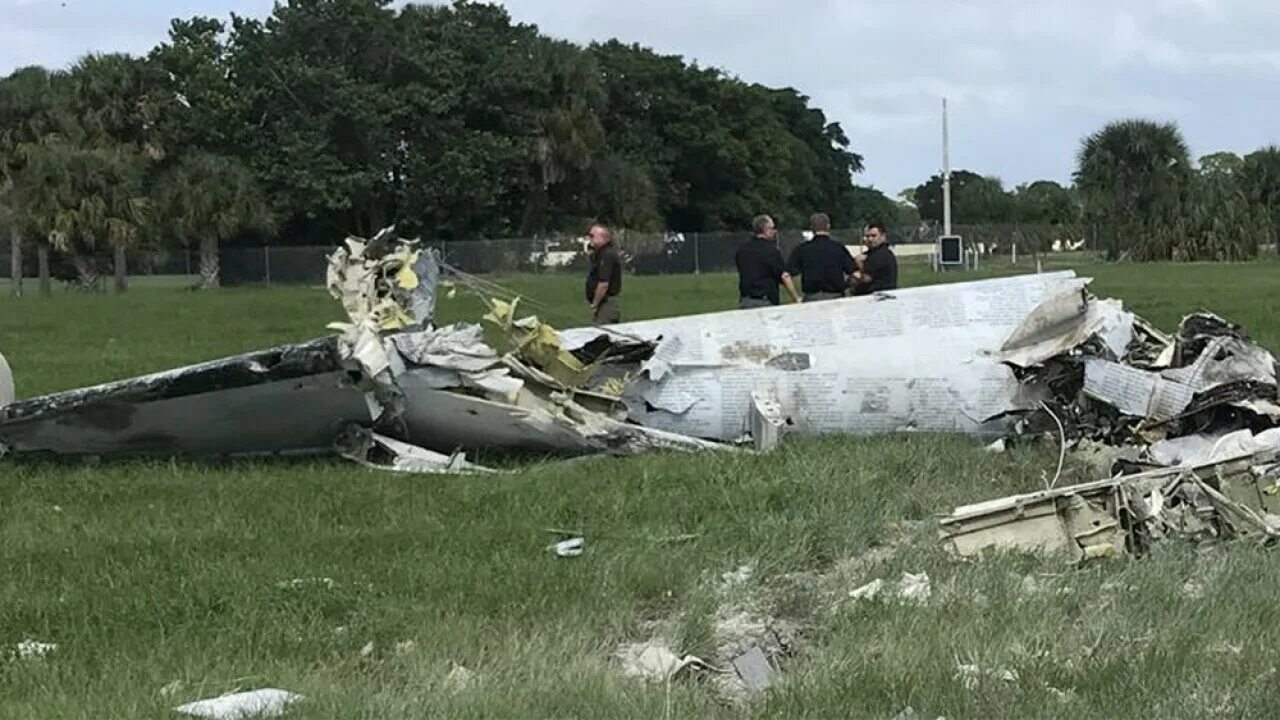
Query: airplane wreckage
[{"x": 1019, "y": 357}]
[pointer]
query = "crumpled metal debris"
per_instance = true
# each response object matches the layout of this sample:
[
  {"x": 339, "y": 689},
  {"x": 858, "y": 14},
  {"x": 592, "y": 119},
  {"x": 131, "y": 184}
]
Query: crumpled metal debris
[
  {"x": 1115, "y": 379},
  {"x": 1013, "y": 358},
  {"x": 1232, "y": 497},
  {"x": 391, "y": 390}
]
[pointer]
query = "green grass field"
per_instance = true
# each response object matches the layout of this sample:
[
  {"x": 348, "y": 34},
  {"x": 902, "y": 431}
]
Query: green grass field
[{"x": 164, "y": 582}]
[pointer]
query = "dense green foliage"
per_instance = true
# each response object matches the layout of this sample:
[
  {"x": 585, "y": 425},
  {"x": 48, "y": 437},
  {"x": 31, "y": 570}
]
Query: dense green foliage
[
  {"x": 1141, "y": 189},
  {"x": 457, "y": 122},
  {"x": 330, "y": 117}
]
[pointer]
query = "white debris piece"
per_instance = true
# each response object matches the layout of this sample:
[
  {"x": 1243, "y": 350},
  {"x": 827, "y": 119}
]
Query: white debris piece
[
  {"x": 971, "y": 676},
  {"x": 736, "y": 578},
  {"x": 869, "y": 591},
  {"x": 1202, "y": 449},
  {"x": 299, "y": 583},
  {"x": 914, "y": 588},
  {"x": 241, "y": 706},
  {"x": 171, "y": 689},
  {"x": 7, "y": 394},
  {"x": 380, "y": 452},
  {"x": 572, "y": 547},
  {"x": 653, "y": 661},
  {"x": 459, "y": 679},
  {"x": 28, "y": 649}
]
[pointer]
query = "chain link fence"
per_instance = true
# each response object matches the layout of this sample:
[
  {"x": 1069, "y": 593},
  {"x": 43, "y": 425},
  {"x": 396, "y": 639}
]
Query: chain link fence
[{"x": 645, "y": 253}]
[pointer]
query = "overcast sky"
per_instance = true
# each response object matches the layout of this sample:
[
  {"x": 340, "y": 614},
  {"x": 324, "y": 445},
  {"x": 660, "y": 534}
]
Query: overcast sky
[{"x": 1026, "y": 79}]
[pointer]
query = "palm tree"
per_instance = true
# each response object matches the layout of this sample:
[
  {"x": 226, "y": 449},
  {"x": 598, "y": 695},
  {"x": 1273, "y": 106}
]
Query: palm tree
[
  {"x": 113, "y": 103},
  {"x": 569, "y": 135},
  {"x": 210, "y": 199},
  {"x": 84, "y": 200},
  {"x": 1221, "y": 222},
  {"x": 31, "y": 111},
  {"x": 1260, "y": 181},
  {"x": 1132, "y": 175}
]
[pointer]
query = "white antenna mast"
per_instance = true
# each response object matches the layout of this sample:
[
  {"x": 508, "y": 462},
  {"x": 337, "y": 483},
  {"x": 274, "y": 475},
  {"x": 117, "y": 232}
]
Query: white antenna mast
[{"x": 946, "y": 173}]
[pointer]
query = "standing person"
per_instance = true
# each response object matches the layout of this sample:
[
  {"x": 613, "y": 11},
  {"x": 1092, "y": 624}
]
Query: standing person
[
  {"x": 878, "y": 272},
  {"x": 760, "y": 267},
  {"x": 604, "y": 279},
  {"x": 824, "y": 265}
]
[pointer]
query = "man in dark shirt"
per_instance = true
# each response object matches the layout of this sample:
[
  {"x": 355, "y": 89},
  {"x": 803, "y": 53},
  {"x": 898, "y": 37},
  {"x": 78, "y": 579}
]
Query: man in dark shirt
[
  {"x": 878, "y": 271},
  {"x": 824, "y": 265},
  {"x": 760, "y": 267},
  {"x": 604, "y": 279}
]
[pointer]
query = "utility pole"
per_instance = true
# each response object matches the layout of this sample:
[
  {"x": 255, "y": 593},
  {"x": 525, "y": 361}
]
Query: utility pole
[{"x": 946, "y": 173}]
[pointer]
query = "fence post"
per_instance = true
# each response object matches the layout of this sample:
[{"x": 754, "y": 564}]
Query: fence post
[
  {"x": 15, "y": 273},
  {"x": 697, "y": 262},
  {"x": 42, "y": 260},
  {"x": 266, "y": 254}
]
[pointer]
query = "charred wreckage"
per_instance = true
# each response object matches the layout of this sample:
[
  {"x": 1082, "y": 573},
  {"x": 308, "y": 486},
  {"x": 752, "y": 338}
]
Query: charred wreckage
[{"x": 1187, "y": 423}]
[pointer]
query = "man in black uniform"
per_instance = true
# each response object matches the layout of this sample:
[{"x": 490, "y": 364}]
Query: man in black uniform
[
  {"x": 823, "y": 264},
  {"x": 604, "y": 279},
  {"x": 760, "y": 267},
  {"x": 878, "y": 271}
]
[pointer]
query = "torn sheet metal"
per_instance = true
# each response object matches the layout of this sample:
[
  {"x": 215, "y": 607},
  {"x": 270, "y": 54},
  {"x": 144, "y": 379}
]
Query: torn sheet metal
[
  {"x": 290, "y": 399},
  {"x": 767, "y": 421},
  {"x": 410, "y": 389},
  {"x": 1192, "y": 450},
  {"x": 6, "y": 383},
  {"x": 388, "y": 282},
  {"x": 1063, "y": 323},
  {"x": 917, "y": 359},
  {"x": 1227, "y": 497},
  {"x": 1134, "y": 392},
  {"x": 383, "y": 453}
]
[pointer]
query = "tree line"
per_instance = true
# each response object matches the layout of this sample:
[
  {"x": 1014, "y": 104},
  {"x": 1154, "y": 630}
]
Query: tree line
[
  {"x": 1136, "y": 185},
  {"x": 336, "y": 116}
]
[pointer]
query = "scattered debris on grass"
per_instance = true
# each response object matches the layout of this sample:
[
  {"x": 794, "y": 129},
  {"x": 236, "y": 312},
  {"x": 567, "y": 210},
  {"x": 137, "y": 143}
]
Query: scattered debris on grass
[
  {"x": 171, "y": 689},
  {"x": 909, "y": 713},
  {"x": 460, "y": 679},
  {"x": 30, "y": 649},
  {"x": 572, "y": 547},
  {"x": 299, "y": 583},
  {"x": 972, "y": 676},
  {"x": 654, "y": 661},
  {"x": 912, "y": 588},
  {"x": 870, "y": 591},
  {"x": 242, "y": 705}
]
